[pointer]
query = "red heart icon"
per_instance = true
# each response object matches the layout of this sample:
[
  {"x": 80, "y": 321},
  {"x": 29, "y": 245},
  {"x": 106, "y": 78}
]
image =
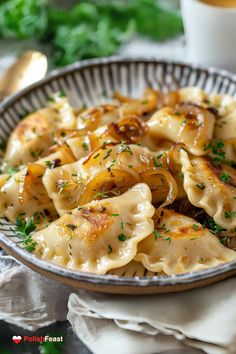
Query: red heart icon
[{"x": 17, "y": 339}]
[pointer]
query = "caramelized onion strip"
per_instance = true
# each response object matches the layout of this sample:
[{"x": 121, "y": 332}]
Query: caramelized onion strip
[
  {"x": 63, "y": 148},
  {"x": 162, "y": 184},
  {"x": 93, "y": 141},
  {"x": 32, "y": 174},
  {"x": 172, "y": 158},
  {"x": 129, "y": 129},
  {"x": 108, "y": 184},
  {"x": 92, "y": 118},
  {"x": 169, "y": 99},
  {"x": 144, "y": 105}
]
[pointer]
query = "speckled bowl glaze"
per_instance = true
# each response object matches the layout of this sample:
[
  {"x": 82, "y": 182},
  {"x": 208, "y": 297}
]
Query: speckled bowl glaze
[{"x": 93, "y": 82}]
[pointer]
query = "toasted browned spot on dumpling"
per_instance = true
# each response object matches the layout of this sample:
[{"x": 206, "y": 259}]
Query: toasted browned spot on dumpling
[{"x": 101, "y": 235}]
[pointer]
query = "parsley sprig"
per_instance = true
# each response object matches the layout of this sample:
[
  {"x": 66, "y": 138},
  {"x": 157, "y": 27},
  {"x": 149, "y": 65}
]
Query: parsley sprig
[{"x": 23, "y": 230}]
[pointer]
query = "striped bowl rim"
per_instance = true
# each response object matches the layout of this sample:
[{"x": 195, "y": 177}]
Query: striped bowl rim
[{"x": 114, "y": 280}]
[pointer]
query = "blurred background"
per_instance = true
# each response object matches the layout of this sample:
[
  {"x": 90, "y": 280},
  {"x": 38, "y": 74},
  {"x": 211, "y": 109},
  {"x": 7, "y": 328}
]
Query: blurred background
[{"x": 71, "y": 30}]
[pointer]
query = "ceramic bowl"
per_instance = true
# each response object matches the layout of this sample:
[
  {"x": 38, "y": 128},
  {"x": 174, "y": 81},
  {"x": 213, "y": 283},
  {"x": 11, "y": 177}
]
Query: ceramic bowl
[{"x": 93, "y": 82}]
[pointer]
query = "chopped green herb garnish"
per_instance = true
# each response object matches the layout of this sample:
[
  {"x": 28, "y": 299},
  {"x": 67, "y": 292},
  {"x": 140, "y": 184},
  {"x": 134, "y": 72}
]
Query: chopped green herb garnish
[
  {"x": 115, "y": 214},
  {"x": 61, "y": 93},
  {"x": 195, "y": 227},
  {"x": 107, "y": 154},
  {"x": 96, "y": 156},
  {"x": 36, "y": 153},
  {"x": 201, "y": 186},
  {"x": 54, "y": 97},
  {"x": 61, "y": 185},
  {"x": 111, "y": 165},
  {"x": 230, "y": 214},
  {"x": 224, "y": 240},
  {"x": 212, "y": 226},
  {"x": 12, "y": 170},
  {"x": 22, "y": 213},
  {"x": 101, "y": 195},
  {"x": 216, "y": 147},
  {"x": 85, "y": 146},
  {"x": 122, "y": 237},
  {"x": 33, "y": 154},
  {"x": 24, "y": 230},
  {"x": 156, "y": 234},
  {"x": 224, "y": 177},
  {"x": 104, "y": 144},
  {"x": 48, "y": 164},
  {"x": 168, "y": 239},
  {"x": 163, "y": 227},
  {"x": 157, "y": 163},
  {"x": 72, "y": 227},
  {"x": 125, "y": 148}
]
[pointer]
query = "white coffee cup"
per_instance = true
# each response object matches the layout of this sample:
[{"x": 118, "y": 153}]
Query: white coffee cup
[{"x": 210, "y": 33}]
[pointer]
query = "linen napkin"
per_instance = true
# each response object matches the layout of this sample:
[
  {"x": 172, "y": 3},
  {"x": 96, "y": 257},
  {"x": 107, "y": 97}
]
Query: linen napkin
[
  {"x": 28, "y": 299},
  {"x": 204, "y": 318}
]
